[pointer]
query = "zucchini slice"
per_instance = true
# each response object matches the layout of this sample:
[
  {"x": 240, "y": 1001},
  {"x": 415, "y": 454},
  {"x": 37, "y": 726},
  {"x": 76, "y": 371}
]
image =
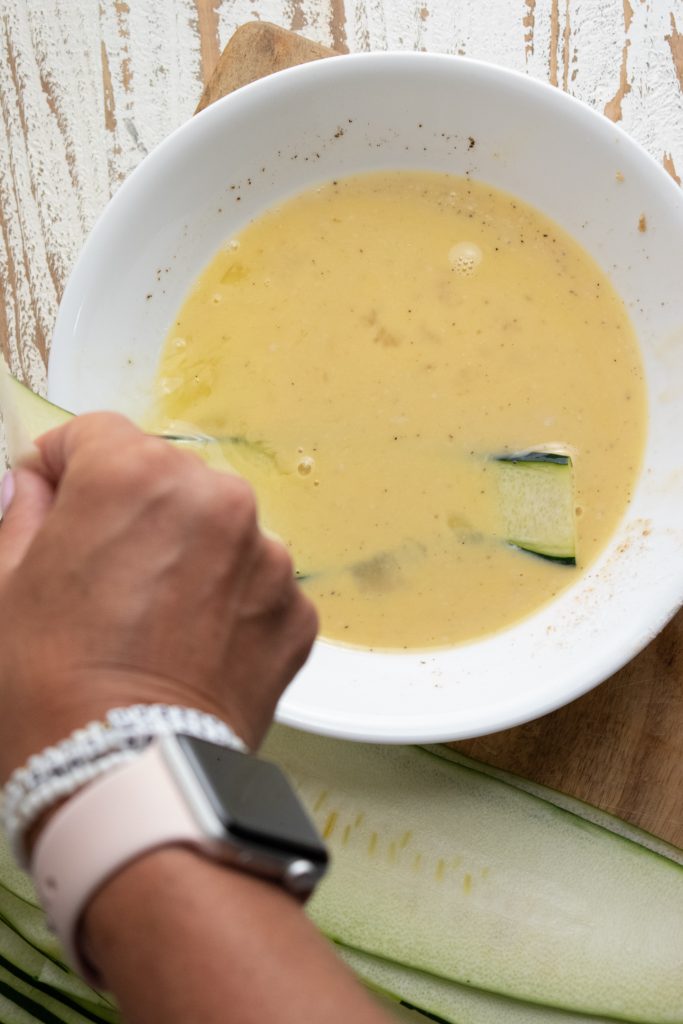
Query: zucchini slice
[
  {"x": 31, "y": 948},
  {"x": 12, "y": 877},
  {"x": 398, "y": 1010},
  {"x": 28, "y": 921},
  {"x": 537, "y": 502},
  {"x": 24, "y": 962},
  {"x": 42, "y": 1007},
  {"x": 25, "y": 416},
  {"x": 568, "y": 803},
  {"x": 446, "y": 1000},
  {"x": 450, "y": 871},
  {"x": 11, "y": 1012}
]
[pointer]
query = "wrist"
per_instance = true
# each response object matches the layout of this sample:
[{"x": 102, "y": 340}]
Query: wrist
[
  {"x": 143, "y": 899},
  {"x": 179, "y": 791},
  {"x": 175, "y": 906}
]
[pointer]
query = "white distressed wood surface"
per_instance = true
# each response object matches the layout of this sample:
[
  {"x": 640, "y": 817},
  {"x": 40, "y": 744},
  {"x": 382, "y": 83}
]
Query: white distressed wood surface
[{"x": 88, "y": 87}]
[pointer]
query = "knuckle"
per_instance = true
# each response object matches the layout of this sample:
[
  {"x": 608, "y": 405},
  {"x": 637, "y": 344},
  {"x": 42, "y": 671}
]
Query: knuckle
[
  {"x": 89, "y": 473},
  {"x": 136, "y": 468},
  {"x": 102, "y": 423},
  {"x": 226, "y": 506},
  {"x": 156, "y": 457},
  {"x": 131, "y": 470},
  {"x": 86, "y": 439},
  {"x": 99, "y": 434}
]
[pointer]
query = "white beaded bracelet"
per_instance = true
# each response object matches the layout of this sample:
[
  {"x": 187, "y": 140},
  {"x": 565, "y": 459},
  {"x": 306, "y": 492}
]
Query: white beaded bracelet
[{"x": 87, "y": 753}]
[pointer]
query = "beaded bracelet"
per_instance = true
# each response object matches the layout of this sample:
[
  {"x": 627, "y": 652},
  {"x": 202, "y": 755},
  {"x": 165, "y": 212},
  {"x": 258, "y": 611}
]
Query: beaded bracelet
[{"x": 58, "y": 771}]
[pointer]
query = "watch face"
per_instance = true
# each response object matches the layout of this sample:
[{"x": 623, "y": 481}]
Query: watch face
[{"x": 253, "y": 799}]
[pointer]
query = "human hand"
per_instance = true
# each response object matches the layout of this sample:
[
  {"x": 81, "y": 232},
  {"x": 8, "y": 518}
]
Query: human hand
[{"x": 130, "y": 572}]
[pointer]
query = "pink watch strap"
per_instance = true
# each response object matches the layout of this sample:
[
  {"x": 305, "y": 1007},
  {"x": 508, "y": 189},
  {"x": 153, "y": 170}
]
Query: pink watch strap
[{"x": 110, "y": 822}]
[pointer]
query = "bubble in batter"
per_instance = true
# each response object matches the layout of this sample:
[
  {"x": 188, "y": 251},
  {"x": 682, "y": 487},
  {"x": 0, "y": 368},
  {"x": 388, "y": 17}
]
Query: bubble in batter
[
  {"x": 305, "y": 465},
  {"x": 465, "y": 258}
]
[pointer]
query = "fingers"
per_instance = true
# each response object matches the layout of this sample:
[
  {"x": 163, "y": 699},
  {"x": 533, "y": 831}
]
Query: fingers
[
  {"x": 96, "y": 430},
  {"x": 31, "y": 486},
  {"x": 27, "y": 497}
]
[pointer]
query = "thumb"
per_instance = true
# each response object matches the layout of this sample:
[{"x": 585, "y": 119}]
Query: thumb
[{"x": 26, "y": 499}]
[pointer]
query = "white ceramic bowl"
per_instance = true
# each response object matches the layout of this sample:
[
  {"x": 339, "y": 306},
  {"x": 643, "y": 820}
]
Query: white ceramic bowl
[{"x": 365, "y": 112}]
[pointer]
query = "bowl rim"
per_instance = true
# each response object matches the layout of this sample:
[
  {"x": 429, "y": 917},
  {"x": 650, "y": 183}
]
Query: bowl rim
[
  {"x": 201, "y": 121},
  {"x": 390, "y": 728}
]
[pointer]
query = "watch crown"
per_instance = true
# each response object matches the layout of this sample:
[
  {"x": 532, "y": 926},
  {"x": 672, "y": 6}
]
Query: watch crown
[{"x": 301, "y": 876}]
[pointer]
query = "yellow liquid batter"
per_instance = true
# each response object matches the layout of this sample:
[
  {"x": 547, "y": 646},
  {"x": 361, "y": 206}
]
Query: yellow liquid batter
[{"x": 371, "y": 344}]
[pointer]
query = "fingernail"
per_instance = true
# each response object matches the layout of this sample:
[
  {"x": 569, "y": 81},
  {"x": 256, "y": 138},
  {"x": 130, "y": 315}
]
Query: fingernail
[{"x": 6, "y": 491}]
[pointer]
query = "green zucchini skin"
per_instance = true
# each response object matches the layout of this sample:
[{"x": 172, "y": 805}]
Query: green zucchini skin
[
  {"x": 12, "y": 878},
  {"x": 28, "y": 921},
  {"x": 30, "y": 951},
  {"x": 11, "y": 1012},
  {"x": 42, "y": 1004},
  {"x": 400, "y": 1009},
  {"x": 557, "y": 559},
  {"x": 17, "y": 1008},
  {"x": 24, "y": 962},
  {"x": 550, "y": 458}
]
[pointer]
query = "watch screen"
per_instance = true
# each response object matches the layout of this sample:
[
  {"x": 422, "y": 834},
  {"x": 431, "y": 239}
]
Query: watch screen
[{"x": 252, "y": 798}]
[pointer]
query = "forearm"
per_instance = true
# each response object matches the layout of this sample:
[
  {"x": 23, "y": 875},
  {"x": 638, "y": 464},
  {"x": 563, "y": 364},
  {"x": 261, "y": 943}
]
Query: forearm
[{"x": 178, "y": 938}]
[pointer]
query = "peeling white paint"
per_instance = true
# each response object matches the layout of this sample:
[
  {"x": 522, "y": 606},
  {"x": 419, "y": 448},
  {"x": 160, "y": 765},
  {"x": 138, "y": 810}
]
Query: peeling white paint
[
  {"x": 653, "y": 109},
  {"x": 66, "y": 141}
]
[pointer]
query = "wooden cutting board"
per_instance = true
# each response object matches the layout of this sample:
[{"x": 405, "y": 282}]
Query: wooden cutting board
[{"x": 621, "y": 746}]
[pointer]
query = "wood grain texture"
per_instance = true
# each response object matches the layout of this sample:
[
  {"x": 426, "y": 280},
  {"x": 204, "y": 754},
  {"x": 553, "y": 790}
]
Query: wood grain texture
[
  {"x": 257, "y": 49},
  {"x": 87, "y": 89}
]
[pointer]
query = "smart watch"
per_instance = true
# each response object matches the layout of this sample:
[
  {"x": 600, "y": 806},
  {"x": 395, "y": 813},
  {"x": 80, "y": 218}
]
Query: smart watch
[{"x": 231, "y": 806}]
